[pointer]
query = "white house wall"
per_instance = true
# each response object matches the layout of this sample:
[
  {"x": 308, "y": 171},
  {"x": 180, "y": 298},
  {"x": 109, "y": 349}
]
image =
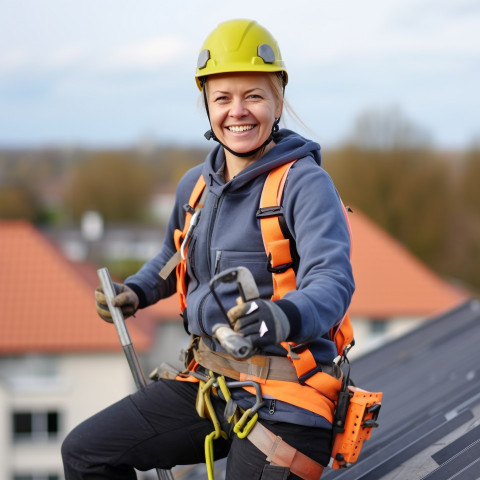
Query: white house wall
[
  {"x": 366, "y": 339},
  {"x": 85, "y": 384}
]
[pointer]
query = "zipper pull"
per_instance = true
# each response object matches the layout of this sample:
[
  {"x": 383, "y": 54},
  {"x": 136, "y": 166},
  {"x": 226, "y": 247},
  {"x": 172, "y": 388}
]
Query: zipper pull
[
  {"x": 218, "y": 255},
  {"x": 271, "y": 410}
]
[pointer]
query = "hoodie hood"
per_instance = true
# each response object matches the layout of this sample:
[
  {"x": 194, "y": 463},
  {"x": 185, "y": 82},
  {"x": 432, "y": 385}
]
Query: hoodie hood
[{"x": 289, "y": 146}]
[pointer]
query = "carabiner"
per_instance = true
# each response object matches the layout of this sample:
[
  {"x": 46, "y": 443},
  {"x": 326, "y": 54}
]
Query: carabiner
[
  {"x": 191, "y": 228},
  {"x": 248, "y": 427}
]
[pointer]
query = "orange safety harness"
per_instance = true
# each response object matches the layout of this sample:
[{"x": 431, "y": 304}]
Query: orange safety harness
[
  {"x": 315, "y": 390},
  {"x": 312, "y": 389}
]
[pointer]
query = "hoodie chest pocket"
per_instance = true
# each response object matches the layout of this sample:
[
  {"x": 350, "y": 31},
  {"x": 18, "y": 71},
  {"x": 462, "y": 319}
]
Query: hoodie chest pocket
[{"x": 256, "y": 262}]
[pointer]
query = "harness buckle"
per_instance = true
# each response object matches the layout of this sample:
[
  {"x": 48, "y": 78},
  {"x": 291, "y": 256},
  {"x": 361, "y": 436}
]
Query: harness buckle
[
  {"x": 303, "y": 379},
  {"x": 279, "y": 268},
  {"x": 274, "y": 211}
]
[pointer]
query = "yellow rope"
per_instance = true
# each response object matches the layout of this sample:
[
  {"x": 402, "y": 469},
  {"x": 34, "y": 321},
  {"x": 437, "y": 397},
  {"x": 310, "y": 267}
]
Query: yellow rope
[{"x": 204, "y": 404}]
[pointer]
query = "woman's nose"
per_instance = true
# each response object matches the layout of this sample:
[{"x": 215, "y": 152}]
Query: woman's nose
[{"x": 237, "y": 108}]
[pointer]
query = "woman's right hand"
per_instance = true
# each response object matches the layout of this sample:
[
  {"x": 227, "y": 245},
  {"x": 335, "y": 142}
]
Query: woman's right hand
[{"x": 126, "y": 299}]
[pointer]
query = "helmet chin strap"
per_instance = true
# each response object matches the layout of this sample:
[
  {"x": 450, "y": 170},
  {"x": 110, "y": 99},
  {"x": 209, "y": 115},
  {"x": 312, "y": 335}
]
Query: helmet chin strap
[{"x": 209, "y": 135}]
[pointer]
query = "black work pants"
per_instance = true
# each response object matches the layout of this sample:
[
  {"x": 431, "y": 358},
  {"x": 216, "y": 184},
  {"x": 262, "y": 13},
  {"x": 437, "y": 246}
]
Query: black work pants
[{"x": 158, "y": 427}]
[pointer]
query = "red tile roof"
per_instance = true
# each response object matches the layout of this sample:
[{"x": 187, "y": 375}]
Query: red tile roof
[
  {"x": 46, "y": 304},
  {"x": 390, "y": 281}
]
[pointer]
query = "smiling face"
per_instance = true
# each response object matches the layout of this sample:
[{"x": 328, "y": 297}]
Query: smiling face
[{"x": 243, "y": 108}]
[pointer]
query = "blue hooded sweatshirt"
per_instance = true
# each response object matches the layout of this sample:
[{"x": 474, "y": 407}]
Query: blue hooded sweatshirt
[{"x": 228, "y": 235}]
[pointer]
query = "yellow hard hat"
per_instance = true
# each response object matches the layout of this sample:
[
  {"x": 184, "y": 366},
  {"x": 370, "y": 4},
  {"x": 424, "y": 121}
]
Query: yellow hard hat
[{"x": 239, "y": 46}]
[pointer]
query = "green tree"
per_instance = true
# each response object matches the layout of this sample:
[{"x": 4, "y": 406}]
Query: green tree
[
  {"x": 115, "y": 184},
  {"x": 388, "y": 129},
  {"x": 470, "y": 181},
  {"x": 407, "y": 192},
  {"x": 18, "y": 201},
  {"x": 388, "y": 170},
  {"x": 463, "y": 259}
]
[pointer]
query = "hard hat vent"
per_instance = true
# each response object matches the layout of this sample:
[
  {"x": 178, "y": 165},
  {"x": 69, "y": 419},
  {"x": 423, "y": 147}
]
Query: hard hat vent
[
  {"x": 203, "y": 58},
  {"x": 266, "y": 53}
]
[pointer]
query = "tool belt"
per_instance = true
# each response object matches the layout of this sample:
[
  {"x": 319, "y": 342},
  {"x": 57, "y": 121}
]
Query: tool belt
[
  {"x": 258, "y": 368},
  {"x": 356, "y": 410}
]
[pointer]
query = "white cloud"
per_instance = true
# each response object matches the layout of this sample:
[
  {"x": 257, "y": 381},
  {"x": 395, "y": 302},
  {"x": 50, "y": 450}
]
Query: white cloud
[
  {"x": 341, "y": 55},
  {"x": 11, "y": 60},
  {"x": 150, "y": 53},
  {"x": 66, "y": 56},
  {"x": 24, "y": 60}
]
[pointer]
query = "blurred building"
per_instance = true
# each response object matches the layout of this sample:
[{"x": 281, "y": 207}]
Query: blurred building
[
  {"x": 395, "y": 292},
  {"x": 59, "y": 363}
]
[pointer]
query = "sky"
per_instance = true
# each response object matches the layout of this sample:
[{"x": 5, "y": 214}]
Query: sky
[{"x": 102, "y": 73}]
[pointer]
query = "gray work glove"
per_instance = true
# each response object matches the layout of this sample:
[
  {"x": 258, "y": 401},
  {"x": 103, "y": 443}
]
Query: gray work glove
[
  {"x": 126, "y": 299},
  {"x": 262, "y": 321}
]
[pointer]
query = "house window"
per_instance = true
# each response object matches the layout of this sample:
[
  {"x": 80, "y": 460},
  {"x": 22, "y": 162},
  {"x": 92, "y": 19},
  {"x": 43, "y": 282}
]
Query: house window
[
  {"x": 35, "y": 426},
  {"x": 36, "y": 476},
  {"x": 378, "y": 327}
]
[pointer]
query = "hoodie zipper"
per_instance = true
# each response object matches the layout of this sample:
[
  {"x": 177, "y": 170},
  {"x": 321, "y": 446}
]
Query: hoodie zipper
[
  {"x": 210, "y": 230},
  {"x": 217, "y": 261}
]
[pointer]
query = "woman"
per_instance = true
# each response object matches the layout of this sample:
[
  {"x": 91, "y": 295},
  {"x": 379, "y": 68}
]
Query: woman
[{"x": 242, "y": 77}]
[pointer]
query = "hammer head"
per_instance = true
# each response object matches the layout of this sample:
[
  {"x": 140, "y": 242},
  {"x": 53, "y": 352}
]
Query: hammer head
[{"x": 243, "y": 277}]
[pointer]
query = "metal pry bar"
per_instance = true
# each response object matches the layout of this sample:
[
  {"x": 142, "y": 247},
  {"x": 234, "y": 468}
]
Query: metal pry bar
[{"x": 127, "y": 345}]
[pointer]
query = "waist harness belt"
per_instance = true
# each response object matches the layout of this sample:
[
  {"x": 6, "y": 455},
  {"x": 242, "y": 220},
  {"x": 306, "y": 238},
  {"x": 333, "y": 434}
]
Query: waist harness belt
[{"x": 277, "y": 377}]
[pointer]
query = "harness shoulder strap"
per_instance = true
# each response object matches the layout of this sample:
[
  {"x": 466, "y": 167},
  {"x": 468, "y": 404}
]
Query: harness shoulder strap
[
  {"x": 280, "y": 261},
  {"x": 277, "y": 246},
  {"x": 181, "y": 239}
]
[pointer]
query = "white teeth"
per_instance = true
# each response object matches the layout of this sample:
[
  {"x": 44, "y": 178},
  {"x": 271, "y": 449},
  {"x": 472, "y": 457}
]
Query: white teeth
[{"x": 240, "y": 128}]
